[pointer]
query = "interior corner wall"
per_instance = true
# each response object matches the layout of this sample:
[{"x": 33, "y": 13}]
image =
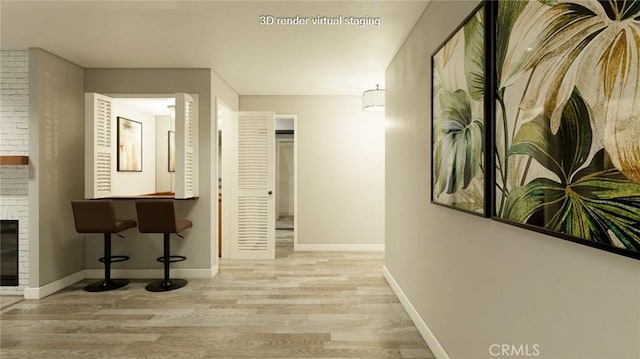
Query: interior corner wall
[
  {"x": 340, "y": 167},
  {"x": 145, "y": 248},
  {"x": 56, "y": 90},
  {"x": 476, "y": 282},
  {"x": 221, "y": 89}
]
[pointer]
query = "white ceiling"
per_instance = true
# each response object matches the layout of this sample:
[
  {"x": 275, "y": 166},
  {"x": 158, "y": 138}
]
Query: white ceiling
[
  {"x": 226, "y": 36},
  {"x": 153, "y": 106}
]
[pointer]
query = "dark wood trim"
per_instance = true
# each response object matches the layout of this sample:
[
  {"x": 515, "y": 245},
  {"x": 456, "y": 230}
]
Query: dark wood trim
[
  {"x": 14, "y": 160},
  {"x": 163, "y": 195}
]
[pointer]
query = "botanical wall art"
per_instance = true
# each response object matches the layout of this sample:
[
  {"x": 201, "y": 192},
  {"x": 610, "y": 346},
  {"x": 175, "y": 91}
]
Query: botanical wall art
[
  {"x": 172, "y": 151},
  {"x": 458, "y": 177},
  {"x": 129, "y": 145},
  {"x": 567, "y": 130}
]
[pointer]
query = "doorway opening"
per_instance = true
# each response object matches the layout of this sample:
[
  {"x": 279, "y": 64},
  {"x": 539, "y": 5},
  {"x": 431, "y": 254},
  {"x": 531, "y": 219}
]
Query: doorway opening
[
  {"x": 285, "y": 185},
  {"x": 282, "y": 216}
]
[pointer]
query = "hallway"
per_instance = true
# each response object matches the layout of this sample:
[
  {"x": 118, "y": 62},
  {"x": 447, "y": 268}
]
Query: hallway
[
  {"x": 284, "y": 236},
  {"x": 302, "y": 305}
]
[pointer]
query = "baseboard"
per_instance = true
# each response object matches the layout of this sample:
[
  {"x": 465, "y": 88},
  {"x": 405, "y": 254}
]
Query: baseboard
[
  {"x": 41, "y": 292},
  {"x": 48, "y": 289},
  {"x": 431, "y": 340},
  {"x": 317, "y": 247},
  {"x": 152, "y": 273}
]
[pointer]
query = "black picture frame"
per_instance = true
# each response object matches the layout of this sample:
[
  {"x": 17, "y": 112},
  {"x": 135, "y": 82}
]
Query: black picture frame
[
  {"x": 129, "y": 145},
  {"x": 539, "y": 221},
  {"x": 484, "y": 111}
]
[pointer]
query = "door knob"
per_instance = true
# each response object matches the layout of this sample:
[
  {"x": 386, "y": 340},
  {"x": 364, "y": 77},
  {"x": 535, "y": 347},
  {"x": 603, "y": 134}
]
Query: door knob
[{"x": 270, "y": 193}]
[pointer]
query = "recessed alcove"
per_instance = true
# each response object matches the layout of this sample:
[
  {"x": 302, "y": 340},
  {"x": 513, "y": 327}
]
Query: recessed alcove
[
  {"x": 156, "y": 119},
  {"x": 137, "y": 147}
]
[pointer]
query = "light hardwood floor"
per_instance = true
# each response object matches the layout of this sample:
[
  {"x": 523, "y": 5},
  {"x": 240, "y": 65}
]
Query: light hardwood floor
[{"x": 302, "y": 305}]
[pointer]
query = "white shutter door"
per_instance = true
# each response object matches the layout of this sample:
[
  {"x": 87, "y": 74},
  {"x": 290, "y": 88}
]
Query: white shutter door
[
  {"x": 252, "y": 199},
  {"x": 99, "y": 146},
  {"x": 186, "y": 176}
]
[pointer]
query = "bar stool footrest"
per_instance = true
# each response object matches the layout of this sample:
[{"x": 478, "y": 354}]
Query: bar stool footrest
[
  {"x": 172, "y": 259},
  {"x": 115, "y": 259},
  {"x": 165, "y": 285}
]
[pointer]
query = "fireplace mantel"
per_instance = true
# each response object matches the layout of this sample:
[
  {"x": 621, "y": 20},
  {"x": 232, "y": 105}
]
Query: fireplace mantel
[{"x": 14, "y": 160}]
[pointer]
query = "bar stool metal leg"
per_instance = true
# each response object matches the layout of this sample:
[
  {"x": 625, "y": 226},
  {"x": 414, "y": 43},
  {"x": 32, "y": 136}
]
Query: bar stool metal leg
[
  {"x": 108, "y": 283},
  {"x": 167, "y": 284}
]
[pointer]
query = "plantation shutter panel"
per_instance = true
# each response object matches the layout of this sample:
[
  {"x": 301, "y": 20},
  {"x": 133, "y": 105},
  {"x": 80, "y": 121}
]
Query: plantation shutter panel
[
  {"x": 253, "y": 201},
  {"x": 186, "y": 147},
  {"x": 100, "y": 146}
]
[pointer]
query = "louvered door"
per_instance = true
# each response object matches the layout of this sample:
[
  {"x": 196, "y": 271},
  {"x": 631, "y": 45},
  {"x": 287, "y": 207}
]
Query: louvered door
[
  {"x": 252, "y": 200},
  {"x": 99, "y": 144},
  {"x": 186, "y": 147}
]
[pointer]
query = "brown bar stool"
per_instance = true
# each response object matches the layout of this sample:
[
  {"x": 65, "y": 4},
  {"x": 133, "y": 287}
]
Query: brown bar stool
[
  {"x": 159, "y": 216},
  {"x": 98, "y": 216}
]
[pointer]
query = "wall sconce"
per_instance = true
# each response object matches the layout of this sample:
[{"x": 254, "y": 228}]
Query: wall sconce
[{"x": 373, "y": 100}]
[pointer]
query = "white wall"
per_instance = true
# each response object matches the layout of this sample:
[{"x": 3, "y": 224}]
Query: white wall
[
  {"x": 14, "y": 101},
  {"x": 340, "y": 167},
  {"x": 135, "y": 183},
  {"x": 164, "y": 178},
  {"x": 477, "y": 282}
]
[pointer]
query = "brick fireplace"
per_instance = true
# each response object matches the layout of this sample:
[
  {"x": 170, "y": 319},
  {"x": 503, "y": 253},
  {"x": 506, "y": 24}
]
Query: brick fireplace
[{"x": 14, "y": 141}]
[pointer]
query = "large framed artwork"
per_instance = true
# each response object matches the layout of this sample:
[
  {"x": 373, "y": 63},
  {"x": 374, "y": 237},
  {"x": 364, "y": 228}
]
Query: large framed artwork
[
  {"x": 458, "y": 112},
  {"x": 567, "y": 120},
  {"x": 129, "y": 145}
]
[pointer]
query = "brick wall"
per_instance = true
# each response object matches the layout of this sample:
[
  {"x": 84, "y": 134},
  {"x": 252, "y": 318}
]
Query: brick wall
[{"x": 14, "y": 140}]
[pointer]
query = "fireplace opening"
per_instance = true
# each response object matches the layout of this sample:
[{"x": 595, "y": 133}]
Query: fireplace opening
[{"x": 8, "y": 252}]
